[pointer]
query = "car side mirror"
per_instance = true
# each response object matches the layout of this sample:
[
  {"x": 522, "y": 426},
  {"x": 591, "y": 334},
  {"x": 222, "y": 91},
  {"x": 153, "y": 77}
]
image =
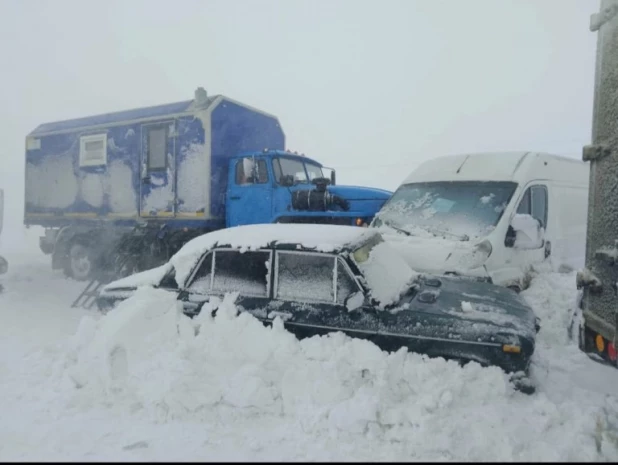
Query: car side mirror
[
  {"x": 354, "y": 301},
  {"x": 527, "y": 233}
]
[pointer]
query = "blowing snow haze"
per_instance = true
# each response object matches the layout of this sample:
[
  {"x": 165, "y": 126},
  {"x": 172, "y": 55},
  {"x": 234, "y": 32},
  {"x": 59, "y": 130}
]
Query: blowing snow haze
[
  {"x": 371, "y": 88},
  {"x": 304, "y": 341}
]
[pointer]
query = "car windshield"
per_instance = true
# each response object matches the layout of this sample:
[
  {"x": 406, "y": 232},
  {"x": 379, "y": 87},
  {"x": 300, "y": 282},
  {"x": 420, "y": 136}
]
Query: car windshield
[
  {"x": 459, "y": 210},
  {"x": 296, "y": 170}
]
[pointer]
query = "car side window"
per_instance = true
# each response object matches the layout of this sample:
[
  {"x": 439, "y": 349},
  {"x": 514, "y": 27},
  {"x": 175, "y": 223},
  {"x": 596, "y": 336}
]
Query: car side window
[
  {"x": 346, "y": 285},
  {"x": 245, "y": 272},
  {"x": 201, "y": 281},
  {"x": 250, "y": 171},
  {"x": 305, "y": 277},
  {"x": 534, "y": 203}
]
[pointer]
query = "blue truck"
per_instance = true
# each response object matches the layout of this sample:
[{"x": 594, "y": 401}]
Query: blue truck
[{"x": 143, "y": 182}]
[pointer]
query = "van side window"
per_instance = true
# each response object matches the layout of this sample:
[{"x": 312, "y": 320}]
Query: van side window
[
  {"x": 534, "y": 203},
  {"x": 539, "y": 204},
  {"x": 524, "y": 205}
]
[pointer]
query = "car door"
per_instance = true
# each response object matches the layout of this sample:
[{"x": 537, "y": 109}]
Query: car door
[
  {"x": 310, "y": 292},
  {"x": 226, "y": 270},
  {"x": 249, "y": 198}
]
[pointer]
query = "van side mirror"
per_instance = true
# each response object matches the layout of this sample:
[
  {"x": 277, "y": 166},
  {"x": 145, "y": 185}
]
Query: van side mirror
[
  {"x": 525, "y": 233},
  {"x": 333, "y": 177}
]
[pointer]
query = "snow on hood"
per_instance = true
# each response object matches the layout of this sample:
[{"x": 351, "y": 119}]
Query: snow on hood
[
  {"x": 320, "y": 237},
  {"x": 431, "y": 254}
]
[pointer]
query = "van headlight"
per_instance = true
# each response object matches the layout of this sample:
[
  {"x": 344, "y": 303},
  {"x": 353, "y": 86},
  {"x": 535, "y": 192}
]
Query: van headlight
[{"x": 476, "y": 257}]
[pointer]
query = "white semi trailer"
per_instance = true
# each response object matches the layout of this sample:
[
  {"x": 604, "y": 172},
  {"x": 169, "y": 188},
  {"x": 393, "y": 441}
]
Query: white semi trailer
[
  {"x": 598, "y": 281},
  {"x": 4, "y": 265}
]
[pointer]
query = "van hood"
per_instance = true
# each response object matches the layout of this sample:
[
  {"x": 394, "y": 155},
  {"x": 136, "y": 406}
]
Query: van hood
[
  {"x": 360, "y": 193},
  {"x": 438, "y": 255}
]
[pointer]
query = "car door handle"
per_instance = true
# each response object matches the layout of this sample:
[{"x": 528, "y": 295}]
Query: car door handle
[{"x": 235, "y": 197}]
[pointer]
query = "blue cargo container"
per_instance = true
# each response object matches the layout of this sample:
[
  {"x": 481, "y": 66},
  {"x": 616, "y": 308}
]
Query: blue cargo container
[{"x": 187, "y": 167}]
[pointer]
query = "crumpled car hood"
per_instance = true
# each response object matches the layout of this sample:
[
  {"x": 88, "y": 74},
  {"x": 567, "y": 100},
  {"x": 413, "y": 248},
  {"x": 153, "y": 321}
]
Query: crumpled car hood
[{"x": 433, "y": 254}]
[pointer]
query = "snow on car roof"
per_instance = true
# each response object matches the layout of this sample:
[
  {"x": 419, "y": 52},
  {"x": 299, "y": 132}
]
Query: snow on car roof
[{"x": 319, "y": 237}]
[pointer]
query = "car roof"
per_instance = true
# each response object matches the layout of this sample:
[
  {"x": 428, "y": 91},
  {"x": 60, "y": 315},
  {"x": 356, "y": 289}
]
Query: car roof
[{"x": 308, "y": 237}]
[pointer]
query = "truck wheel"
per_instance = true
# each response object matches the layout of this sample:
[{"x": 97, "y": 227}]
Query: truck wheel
[{"x": 80, "y": 262}]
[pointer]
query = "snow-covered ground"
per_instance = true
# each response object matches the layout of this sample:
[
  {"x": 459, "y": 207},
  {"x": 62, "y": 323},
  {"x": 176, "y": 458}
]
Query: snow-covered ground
[{"x": 140, "y": 384}]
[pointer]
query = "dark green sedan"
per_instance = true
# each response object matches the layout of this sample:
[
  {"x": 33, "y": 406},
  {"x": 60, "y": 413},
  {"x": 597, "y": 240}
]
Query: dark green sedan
[{"x": 323, "y": 278}]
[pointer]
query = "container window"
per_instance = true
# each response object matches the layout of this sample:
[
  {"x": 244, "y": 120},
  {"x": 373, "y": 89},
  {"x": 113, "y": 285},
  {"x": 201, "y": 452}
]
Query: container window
[{"x": 93, "y": 150}]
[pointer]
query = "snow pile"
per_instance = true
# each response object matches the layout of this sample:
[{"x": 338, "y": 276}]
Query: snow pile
[
  {"x": 145, "y": 357},
  {"x": 528, "y": 233},
  {"x": 387, "y": 274},
  {"x": 149, "y": 277}
]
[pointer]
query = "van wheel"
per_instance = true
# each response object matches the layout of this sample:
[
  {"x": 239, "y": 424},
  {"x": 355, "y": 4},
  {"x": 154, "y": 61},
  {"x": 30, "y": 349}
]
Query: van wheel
[{"x": 80, "y": 262}]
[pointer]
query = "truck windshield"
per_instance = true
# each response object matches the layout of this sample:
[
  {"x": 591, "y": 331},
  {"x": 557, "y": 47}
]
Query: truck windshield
[
  {"x": 295, "y": 169},
  {"x": 460, "y": 210},
  {"x": 314, "y": 171}
]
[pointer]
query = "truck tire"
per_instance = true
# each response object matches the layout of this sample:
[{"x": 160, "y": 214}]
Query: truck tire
[{"x": 80, "y": 261}]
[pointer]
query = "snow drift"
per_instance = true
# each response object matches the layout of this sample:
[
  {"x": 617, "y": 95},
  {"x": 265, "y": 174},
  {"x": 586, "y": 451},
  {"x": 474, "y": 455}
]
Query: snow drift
[{"x": 147, "y": 357}]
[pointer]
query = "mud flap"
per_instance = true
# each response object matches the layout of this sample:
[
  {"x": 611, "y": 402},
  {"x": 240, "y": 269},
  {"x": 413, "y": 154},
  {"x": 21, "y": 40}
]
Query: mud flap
[{"x": 576, "y": 322}]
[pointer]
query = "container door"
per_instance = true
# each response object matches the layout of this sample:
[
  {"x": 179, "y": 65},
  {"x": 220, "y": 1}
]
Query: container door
[
  {"x": 158, "y": 183},
  {"x": 249, "y": 197}
]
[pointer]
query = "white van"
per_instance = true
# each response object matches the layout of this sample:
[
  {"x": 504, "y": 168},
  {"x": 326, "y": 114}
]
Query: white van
[{"x": 490, "y": 214}]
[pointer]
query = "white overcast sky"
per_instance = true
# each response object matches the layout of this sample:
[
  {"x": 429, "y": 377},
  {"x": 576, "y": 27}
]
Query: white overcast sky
[{"x": 370, "y": 87}]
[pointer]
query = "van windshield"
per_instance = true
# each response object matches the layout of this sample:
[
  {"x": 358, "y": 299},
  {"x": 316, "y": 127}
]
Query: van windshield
[{"x": 460, "y": 210}]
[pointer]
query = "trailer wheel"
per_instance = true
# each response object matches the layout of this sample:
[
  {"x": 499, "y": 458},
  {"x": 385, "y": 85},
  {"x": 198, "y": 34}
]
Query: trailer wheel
[{"x": 80, "y": 262}]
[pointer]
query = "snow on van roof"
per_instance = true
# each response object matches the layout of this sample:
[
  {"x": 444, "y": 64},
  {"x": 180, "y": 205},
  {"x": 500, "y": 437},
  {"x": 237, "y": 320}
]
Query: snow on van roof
[
  {"x": 500, "y": 166},
  {"x": 478, "y": 166},
  {"x": 320, "y": 237}
]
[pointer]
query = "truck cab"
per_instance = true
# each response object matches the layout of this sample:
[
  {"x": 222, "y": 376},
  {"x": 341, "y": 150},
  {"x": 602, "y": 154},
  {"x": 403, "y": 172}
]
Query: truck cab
[{"x": 277, "y": 186}]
